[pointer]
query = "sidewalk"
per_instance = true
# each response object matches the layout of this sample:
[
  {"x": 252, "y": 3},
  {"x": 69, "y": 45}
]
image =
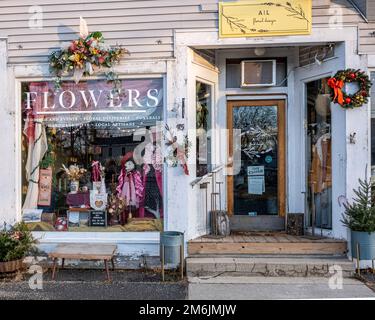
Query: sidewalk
[{"x": 268, "y": 288}]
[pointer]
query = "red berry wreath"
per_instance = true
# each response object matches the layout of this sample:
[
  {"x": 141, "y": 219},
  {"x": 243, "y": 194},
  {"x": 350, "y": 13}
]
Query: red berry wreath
[{"x": 350, "y": 101}]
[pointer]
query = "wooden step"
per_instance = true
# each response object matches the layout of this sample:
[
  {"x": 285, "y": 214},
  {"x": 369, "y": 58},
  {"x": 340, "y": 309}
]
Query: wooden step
[{"x": 331, "y": 247}]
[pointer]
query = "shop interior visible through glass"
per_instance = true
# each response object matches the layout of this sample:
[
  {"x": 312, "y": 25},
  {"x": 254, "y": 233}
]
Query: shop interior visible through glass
[
  {"x": 319, "y": 154},
  {"x": 92, "y": 161}
]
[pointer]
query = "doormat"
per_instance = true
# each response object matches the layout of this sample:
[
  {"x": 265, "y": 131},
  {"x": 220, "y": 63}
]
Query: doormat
[
  {"x": 313, "y": 237},
  {"x": 258, "y": 233}
]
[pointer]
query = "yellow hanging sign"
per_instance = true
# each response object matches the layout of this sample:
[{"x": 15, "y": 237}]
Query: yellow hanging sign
[{"x": 259, "y": 18}]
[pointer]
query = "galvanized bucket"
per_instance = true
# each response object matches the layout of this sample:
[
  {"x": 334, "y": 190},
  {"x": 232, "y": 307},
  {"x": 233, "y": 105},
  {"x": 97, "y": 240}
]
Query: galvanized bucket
[
  {"x": 172, "y": 242},
  {"x": 366, "y": 243}
]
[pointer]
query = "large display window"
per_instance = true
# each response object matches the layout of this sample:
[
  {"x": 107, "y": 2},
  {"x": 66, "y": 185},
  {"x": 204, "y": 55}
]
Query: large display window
[{"x": 91, "y": 159}]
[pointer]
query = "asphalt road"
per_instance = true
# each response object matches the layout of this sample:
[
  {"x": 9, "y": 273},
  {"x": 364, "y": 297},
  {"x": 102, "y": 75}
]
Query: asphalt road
[{"x": 91, "y": 284}]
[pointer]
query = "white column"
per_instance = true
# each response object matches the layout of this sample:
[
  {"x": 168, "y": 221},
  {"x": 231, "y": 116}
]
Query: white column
[
  {"x": 358, "y": 164},
  {"x": 7, "y": 143},
  {"x": 177, "y": 195}
]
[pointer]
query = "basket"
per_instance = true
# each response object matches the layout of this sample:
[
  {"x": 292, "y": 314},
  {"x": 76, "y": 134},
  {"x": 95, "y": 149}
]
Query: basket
[{"x": 11, "y": 266}]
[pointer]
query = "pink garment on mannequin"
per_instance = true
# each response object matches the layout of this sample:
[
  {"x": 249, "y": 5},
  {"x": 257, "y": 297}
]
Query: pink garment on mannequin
[
  {"x": 95, "y": 174},
  {"x": 130, "y": 187}
]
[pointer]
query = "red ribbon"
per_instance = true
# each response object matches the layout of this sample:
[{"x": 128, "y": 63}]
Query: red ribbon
[
  {"x": 337, "y": 85},
  {"x": 182, "y": 157}
]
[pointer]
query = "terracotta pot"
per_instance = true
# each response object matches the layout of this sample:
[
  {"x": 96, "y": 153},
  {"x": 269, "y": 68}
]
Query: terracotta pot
[{"x": 11, "y": 266}]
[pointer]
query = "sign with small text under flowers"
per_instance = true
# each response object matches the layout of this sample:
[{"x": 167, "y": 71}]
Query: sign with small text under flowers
[{"x": 259, "y": 18}]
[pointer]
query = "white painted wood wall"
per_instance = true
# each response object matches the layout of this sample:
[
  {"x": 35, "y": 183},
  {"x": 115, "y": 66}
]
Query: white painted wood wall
[{"x": 145, "y": 27}]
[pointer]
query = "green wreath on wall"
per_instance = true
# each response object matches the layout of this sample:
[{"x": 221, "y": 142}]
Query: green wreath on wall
[{"x": 350, "y": 101}]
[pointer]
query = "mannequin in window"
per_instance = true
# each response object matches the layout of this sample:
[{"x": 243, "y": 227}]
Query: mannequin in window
[
  {"x": 152, "y": 182},
  {"x": 130, "y": 187}
]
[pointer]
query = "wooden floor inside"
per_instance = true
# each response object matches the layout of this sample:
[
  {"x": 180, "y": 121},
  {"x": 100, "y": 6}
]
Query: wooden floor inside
[{"x": 266, "y": 243}]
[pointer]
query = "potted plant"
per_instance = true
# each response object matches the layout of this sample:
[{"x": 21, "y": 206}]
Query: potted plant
[
  {"x": 359, "y": 216},
  {"x": 15, "y": 244}
]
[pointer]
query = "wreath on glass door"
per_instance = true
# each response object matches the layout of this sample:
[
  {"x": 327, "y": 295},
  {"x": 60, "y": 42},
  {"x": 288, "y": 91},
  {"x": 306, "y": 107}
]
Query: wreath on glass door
[{"x": 350, "y": 101}]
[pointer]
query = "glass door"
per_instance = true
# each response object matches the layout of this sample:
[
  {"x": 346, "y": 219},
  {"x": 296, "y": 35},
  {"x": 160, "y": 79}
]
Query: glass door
[
  {"x": 319, "y": 154},
  {"x": 257, "y": 186}
]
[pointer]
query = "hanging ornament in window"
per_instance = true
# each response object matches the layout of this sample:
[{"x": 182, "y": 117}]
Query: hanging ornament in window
[
  {"x": 338, "y": 84},
  {"x": 177, "y": 149}
]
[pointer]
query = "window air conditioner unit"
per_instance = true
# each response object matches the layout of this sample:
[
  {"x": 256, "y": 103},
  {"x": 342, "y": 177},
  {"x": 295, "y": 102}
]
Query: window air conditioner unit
[{"x": 258, "y": 73}]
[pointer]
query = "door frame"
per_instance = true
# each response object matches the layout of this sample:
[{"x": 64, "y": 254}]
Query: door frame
[
  {"x": 281, "y": 154},
  {"x": 303, "y": 76}
]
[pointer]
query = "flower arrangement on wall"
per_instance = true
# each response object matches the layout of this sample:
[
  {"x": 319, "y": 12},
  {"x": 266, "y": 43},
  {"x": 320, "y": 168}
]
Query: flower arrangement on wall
[
  {"x": 86, "y": 55},
  {"x": 350, "y": 101}
]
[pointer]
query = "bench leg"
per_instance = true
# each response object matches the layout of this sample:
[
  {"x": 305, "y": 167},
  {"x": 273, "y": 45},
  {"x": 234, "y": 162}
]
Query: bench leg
[
  {"x": 63, "y": 263},
  {"x": 113, "y": 264},
  {"x": 54, "y": 268},
  {"x": 107, "y": 270},
  {"x": 182, "y": 261}
]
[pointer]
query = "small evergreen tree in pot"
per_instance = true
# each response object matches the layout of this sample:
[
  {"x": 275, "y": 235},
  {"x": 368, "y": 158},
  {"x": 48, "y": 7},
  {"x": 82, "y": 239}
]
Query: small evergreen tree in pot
[
  {"x": 15, "y": 244},
  {"x": 359, "y": 216}
]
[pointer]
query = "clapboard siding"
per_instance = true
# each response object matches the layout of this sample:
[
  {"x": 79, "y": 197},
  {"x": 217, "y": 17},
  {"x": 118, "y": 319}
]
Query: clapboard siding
[
  {"x": 93, "y": 13},
  {"x": 367, "y": 38},
  {"x": 116, "y": 22},
  {"x": 144, "y": 27}
]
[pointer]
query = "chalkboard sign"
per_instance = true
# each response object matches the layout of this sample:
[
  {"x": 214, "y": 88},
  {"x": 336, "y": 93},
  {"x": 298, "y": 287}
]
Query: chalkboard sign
[{"x": 98, "y": 218}]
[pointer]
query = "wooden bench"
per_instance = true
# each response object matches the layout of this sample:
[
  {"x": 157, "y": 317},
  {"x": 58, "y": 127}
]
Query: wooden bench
[{"x": 84, "y": 251}]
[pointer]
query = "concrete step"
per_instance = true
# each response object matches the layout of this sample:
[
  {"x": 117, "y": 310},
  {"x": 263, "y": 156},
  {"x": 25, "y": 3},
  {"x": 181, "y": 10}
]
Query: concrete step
[{"x": 268, "y": 266}]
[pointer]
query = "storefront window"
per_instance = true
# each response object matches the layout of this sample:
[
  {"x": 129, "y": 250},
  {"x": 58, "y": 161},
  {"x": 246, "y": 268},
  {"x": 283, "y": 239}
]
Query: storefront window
[
  {"x": 203, "y": 125},
  {"x": 92, "y": 160},
  {"x": 319, "y": 154}
]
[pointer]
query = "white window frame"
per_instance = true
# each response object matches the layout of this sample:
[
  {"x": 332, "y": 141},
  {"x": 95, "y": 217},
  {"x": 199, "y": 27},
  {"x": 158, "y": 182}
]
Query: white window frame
[
  {"x": 140, "y": 242},
  {"x": 245, "y": 85}
]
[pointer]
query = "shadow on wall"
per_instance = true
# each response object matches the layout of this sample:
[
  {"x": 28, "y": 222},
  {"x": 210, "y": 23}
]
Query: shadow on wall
[{"x": 65, "y": 34}]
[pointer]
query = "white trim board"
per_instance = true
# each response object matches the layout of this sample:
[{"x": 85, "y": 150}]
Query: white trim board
[
  {"x": 128, "y": 243},
  {"x": 139, "y": 68},
  {"x": 259, "y": 97},
  {"x": 147, "y": 237},
  {"x": 208, "y": 38}
]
